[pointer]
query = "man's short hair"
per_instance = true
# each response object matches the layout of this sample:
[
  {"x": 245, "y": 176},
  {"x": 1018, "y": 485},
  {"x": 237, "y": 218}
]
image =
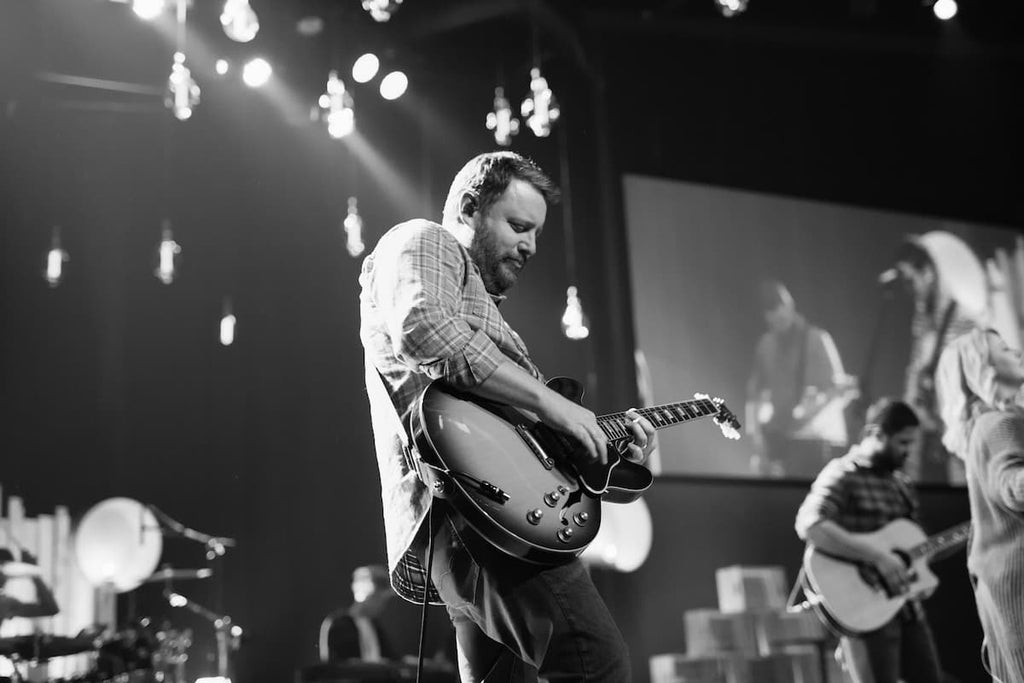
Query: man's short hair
[
  {"x": 771, "y": 294},
  {"x": 488, "y": 175},
  {"x": 890, "y": 416}
]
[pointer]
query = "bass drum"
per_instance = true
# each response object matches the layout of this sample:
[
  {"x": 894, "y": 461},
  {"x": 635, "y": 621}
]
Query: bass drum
[
  {"x": 127, "y": 656},
  {"x": 118, "y": 544}
]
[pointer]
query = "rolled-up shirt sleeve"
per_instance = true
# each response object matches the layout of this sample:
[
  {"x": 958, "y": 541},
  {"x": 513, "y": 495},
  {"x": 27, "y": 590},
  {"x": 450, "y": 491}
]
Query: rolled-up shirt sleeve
[
  {"x": 418, "y": 295},
  {"x": 824, "y": 501}
]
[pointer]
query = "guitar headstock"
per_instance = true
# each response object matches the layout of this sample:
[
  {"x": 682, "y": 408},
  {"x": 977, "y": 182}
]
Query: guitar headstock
[{"x": 725, "y": 419}]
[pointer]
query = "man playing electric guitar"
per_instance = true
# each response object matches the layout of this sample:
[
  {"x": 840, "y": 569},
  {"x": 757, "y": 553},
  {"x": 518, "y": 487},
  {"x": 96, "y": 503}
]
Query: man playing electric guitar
[
  {"x": 796, "y": 393},
  {"x": 429, "y": 309},
  {"x": 861, "y": 492}
]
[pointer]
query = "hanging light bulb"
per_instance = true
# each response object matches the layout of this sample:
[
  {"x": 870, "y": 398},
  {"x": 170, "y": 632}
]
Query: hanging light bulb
[
  {"x": 337, "y": 108},
  {"x": 540, "y": 108},
  {"x": 55, "y": 259},
  {"x": 574, "y": 321},
  {"x": 239, "y": 21},
  {"x": 168, "y": 249},
  {"x": 227, "y": 324},
  {"x": 730, "y": 8},
  {"x": 353, "y": 225},
  {"x": 501, "y": 120},
  {"x": 182, "y": 91},
  {"x": 381, "y": 10},
  {"x": 148, "y": 9}
]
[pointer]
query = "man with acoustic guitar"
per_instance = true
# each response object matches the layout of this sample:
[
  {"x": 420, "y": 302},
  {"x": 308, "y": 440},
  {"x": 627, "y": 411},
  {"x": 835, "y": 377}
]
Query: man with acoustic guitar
[
  {"x": 862, "y": 492},
  {"x": 429, "y": 309}
]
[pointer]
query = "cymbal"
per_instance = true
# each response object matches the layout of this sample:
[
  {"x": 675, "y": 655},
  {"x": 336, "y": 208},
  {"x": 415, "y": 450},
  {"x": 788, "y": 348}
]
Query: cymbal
[
  {"x": 170, "y": 574},
  {"x": 44, "y": 646},
  {"x": 15, "y": 570}
]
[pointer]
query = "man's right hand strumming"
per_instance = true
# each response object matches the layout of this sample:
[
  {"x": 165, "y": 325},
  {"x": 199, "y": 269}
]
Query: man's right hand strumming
[{"x": 560, "y": 413}]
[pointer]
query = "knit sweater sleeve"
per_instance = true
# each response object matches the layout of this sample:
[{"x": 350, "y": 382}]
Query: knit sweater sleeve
[{"x": 1003, "y": 470}]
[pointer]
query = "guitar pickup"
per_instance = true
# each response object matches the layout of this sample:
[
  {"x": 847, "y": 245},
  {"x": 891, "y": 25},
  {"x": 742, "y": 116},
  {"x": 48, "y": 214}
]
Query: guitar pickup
[
  {"x": 528, "y": 437},
  {"x": 493, "y": 492}
]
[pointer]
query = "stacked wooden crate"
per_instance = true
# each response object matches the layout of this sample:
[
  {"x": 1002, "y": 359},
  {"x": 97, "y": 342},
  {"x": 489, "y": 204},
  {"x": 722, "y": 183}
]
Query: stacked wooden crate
[{"x": 750, "y": 637}]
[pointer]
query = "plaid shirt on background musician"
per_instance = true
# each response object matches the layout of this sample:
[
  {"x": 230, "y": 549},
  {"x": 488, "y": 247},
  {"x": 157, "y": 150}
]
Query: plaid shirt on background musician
[
  {"x": 858, "y": 496},
  {"x": 425, "y": 315}
]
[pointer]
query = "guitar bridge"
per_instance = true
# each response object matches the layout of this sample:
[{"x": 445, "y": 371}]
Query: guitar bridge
[{"x": 528, "y": 437}]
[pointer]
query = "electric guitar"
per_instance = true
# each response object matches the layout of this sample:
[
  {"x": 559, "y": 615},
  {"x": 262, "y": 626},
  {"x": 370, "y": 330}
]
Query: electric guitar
[
  {"x": 519, "y": 483},
  {"x": 851, "y": 600}
]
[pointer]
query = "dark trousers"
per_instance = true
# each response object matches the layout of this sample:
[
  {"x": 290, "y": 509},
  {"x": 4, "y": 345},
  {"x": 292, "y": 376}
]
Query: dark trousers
[
  {"x": 902, "y": 650},
  {"x": 518, "y": 622}
]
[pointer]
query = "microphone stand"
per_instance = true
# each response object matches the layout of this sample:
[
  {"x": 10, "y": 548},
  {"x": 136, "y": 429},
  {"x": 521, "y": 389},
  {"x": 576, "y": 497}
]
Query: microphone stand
[
  {"x": 215, "y": 545},
  {"x": 228, "y": 634}
]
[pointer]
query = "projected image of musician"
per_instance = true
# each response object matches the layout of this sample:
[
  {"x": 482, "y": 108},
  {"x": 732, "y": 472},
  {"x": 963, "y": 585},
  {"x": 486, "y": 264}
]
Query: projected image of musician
[
  {"x": 796, "y": 393},
  {"x": 949, "y": 290}
]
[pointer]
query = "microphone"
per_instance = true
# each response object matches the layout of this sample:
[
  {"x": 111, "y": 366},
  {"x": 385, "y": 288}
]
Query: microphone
[{"x": 888, "y": 277}]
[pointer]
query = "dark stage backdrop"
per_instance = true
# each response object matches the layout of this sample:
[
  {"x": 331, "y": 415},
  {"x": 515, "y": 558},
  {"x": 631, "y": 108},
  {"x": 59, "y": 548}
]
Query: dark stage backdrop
[{"x": 697, "y": 254}]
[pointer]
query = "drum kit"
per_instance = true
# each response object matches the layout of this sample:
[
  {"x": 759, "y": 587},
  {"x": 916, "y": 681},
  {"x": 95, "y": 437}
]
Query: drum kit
[{"x": 117, "y": 547}]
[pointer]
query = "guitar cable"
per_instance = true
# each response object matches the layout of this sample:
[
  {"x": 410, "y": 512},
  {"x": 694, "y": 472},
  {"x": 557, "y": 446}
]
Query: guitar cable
[{"x": 426, "y": 592}]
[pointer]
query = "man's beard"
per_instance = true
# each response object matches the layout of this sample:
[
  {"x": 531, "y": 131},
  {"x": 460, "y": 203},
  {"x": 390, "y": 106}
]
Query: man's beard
[
  {"x": 889, "y": 459},
  {"x": 498, "y": 275}
]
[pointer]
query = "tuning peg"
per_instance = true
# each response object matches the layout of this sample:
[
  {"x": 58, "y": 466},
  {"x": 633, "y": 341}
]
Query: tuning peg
[{"x": 700, "y": 396}]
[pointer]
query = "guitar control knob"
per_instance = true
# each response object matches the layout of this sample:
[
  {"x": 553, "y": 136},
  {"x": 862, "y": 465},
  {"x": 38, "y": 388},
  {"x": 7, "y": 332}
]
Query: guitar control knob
[
  {"x": 562, "y": 490},
  {"x": 564, "y": 534},
  {"x": 534, "y": 516},
  {"x": 581, "y": 518},
  {"x": 551, "y": 498}
]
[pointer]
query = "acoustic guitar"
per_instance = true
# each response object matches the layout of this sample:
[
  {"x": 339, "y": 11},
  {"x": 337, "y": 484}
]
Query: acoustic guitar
[{"x": 849, "y": 597}]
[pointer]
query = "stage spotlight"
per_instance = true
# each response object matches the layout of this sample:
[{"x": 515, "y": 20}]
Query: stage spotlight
[
  {"x": 393, "y": 85},
  {"x": 256, "y": 72},
  {"x": 148, "y": 9},
  {"x": 239, "y": 21},
  {"x": 222, "y": 66},
  {"x": 730, "y": 8},
  {"x": 365, "y": 68},
  {"x": 945, "y": 9}
]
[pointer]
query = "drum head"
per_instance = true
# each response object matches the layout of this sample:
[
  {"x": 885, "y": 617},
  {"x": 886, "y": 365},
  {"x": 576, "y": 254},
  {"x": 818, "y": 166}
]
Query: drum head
[{"x": 118, "y": 543}]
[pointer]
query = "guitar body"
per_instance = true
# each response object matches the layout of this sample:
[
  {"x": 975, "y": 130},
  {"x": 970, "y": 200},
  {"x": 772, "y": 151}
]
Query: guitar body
[
  {"x": 846, "y": 601},
  {"x": 512, "y": 478}
]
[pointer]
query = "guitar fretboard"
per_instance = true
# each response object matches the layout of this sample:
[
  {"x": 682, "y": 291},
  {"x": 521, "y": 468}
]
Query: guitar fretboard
[
  {"x": 942, "y": 541},
  {"x": 618, "y": 425}
]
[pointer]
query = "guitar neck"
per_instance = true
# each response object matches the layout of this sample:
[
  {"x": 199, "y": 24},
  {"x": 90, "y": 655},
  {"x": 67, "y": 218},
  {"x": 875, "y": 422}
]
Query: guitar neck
[
  {"x": 941, "y": 541},
  {"x": 617, "y": 425}
]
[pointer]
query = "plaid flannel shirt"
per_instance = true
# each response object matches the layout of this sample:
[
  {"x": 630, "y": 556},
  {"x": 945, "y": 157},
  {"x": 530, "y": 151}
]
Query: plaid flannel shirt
[
  {"x": 425, "y": 315},
  {"x": 857, "y": 496}
]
